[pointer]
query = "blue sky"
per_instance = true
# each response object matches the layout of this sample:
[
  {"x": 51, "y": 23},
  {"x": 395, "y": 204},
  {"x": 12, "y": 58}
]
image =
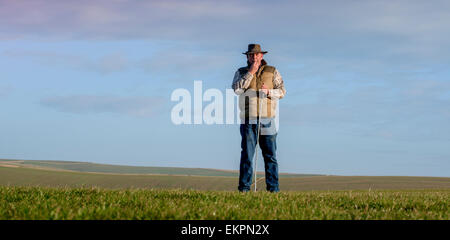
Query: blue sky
[{"x": 368, "y": 82}]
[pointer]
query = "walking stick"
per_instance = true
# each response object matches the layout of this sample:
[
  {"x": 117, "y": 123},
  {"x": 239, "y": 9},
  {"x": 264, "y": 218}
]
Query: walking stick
[{"x": 257, "y": 138}]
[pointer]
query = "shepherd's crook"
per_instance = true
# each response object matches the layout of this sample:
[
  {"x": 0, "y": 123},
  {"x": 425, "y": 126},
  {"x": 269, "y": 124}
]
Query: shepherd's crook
[{"x": 257, "y": 138}]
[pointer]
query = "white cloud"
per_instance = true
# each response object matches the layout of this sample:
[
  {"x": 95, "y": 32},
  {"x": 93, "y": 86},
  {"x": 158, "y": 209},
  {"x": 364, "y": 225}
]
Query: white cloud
[
  {"x": 416, "y": 113},
  {"x": 312, "y": 42},
  {"x": 5, "y": 90},
  {"x": 114, "y": 19},
  {"x": 88, "y": 104},
  {"x": 391, "y": 30},
  {"x": 114, "y": 62},
  {"x": 186, "y": 64}
]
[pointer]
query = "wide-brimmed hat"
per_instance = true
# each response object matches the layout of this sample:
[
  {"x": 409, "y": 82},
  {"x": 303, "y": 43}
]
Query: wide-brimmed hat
[{"x": 254, "y": 48}]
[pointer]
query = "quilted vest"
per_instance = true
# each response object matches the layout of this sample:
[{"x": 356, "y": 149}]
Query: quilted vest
[{"x": 250, "y": 101}]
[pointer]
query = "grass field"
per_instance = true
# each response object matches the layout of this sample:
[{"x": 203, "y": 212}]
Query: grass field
[
  {"x": 21, "y": 176},
  {"x": 29, "y": 191},
  {"x": 47, "y": 203}
]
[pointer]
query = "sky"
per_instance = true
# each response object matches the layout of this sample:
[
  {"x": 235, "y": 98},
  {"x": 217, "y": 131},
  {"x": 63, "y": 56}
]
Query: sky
[{"x": 368, "y": 82}]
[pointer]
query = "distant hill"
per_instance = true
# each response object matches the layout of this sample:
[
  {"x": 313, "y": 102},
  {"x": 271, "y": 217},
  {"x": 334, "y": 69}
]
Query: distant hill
[{"x": 121, "y": 169}]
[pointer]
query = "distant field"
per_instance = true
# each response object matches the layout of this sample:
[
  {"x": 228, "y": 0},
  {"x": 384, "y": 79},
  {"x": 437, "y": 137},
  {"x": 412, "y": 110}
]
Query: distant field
[
  {"x": 107, "y": 168},
  {"x": 45, "y": 203},
  {"x": 22, "y": 176}
]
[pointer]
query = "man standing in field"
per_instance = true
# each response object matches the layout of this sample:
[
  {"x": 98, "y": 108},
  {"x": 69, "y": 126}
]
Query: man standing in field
[{"x": 259, "y": 87}]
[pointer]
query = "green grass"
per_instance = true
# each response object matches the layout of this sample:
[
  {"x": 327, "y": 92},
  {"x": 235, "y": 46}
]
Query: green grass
[
  {"x": 31, "y": 193},
  {"x": 94, "y": 203}
]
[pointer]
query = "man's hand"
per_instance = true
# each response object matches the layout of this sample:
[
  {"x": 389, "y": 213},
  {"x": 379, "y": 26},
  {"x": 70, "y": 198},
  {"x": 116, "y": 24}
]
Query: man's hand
[
  {"x": 265, "y": 90},
  {"x": 254, "y": 67}
]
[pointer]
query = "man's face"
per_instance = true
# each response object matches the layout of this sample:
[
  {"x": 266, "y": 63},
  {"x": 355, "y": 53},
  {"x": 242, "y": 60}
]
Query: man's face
[{"x": 255, "y": 57}]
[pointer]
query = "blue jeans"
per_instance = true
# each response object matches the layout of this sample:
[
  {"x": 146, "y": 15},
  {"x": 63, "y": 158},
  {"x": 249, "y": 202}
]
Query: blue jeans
[{"x": 268, "y": 147}]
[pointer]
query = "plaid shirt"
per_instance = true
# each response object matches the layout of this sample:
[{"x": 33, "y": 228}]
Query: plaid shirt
[{"x": 242, "y": 83}]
